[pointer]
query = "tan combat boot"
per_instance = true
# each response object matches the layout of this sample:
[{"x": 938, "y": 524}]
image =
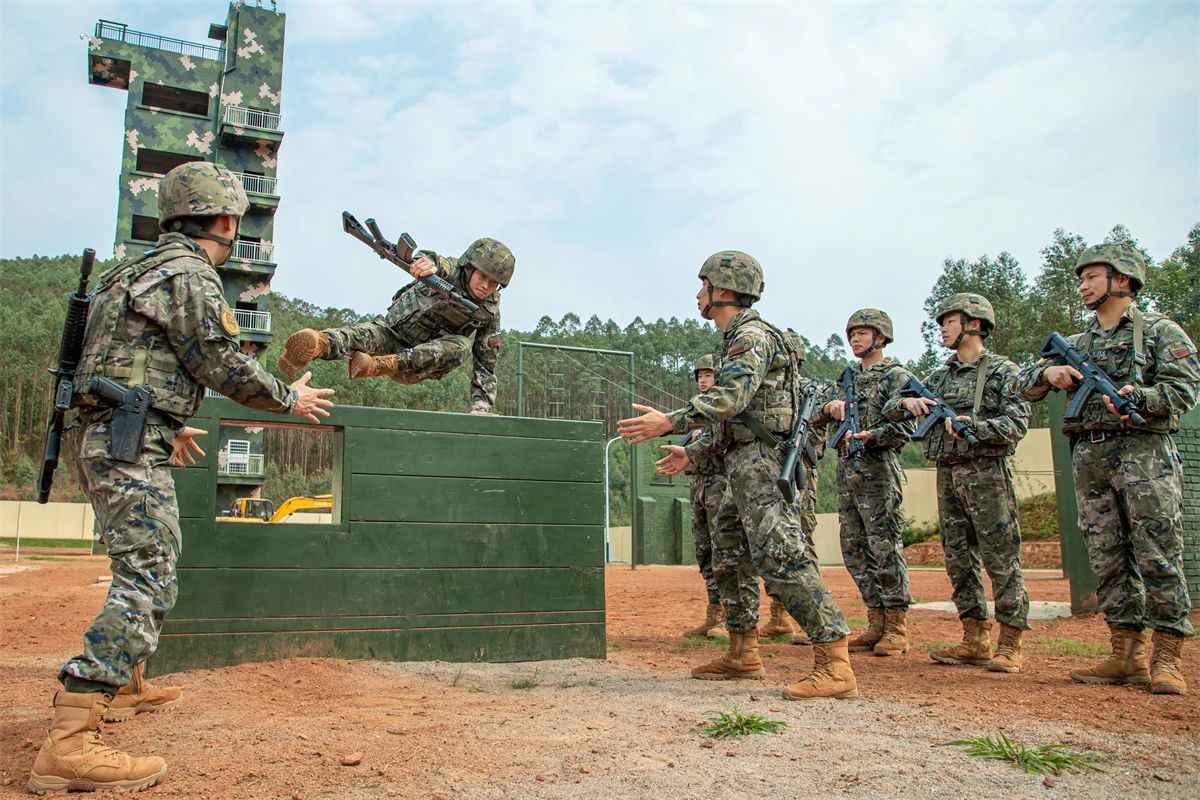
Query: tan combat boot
[
  {"x": 866, "y": 641},
  {"x": 780, "y": 624},
  {"x": 741, "y": 661},
  {"x": 976, "y": 647},
  {"x": 141, "y": 695},
  {"x": 1127, "y": 664},
  {"x": 1008, "y": 650},
  {"x": 74, "y": 759},
  {"x": 831, "y": 675},
  {"x": 300, "y": 348},
  {"x": 895, "y": 633},
  {"x": 365, "y": 365},
  {"x": 713, "y": 625},
  {"x": 1166, "y": 669},
  {"x": 800, "y": 638}
]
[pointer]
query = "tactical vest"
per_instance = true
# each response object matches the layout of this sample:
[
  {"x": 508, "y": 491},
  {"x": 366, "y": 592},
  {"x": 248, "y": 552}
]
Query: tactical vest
[
  {"x": 123, "y": 345},
  {"x": 773, "y": 406},
  {"x": 418, "y": 314},
  {"x": 969, "y": 392},
  {"x": 1123, "y": 356},
  {"x": 872, "y": 395}
]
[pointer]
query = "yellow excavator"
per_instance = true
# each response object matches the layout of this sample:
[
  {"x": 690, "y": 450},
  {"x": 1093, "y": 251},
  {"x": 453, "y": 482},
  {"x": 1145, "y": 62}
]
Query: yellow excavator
[{"x": 257, "y": 509}]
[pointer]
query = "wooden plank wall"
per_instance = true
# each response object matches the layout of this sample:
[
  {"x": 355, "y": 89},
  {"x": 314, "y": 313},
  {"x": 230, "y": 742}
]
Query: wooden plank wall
[{"x": 456, "y": 537}]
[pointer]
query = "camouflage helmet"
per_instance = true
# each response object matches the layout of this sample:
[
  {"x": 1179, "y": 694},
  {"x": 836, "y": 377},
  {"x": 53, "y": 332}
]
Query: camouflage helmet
[
  {"x": 975, "y": 306},
  {"x": 736, "y": 271},
  {"x": 199, "y": 189},
  {"x": 796, "y": 342},
  {"x": 707, "y": 361},
  {"x": 1122, "y": 258},
  {"x": 871, "y": 318},
  {"x": 492, "y": 258}
]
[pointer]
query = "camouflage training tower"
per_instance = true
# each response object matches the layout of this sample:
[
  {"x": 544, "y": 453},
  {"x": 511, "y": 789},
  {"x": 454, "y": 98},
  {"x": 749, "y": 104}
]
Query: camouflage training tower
[{"x": 219, "y": 102}]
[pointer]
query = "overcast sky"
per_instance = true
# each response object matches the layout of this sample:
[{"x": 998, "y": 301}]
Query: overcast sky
[{"x": 850, "y": 148}]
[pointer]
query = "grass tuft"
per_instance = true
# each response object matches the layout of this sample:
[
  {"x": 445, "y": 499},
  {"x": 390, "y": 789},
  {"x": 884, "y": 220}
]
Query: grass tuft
[
  {"x": 1057, "y": 646},
  {"x": 531, "y": 682},
  {"x": 925, "y": 647},
  {"x": 1049, "y": 759},
  {"x": 716, "y": 641},
  {"x": 726, "y": 724}
]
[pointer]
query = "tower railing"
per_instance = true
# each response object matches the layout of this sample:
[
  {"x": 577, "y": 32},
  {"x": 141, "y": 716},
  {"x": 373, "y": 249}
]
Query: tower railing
[
  {"x": 259, "y": 184},
  {"x": 253, "y": 251},
  {"x": 119, "y": 32},
  {"x": 244, "y": 117},
  {"x": 253, "y": 321}
]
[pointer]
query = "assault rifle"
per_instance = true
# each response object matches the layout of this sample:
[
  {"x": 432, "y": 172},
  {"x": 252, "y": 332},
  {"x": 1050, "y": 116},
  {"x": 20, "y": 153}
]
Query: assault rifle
[
  {"x": 791, "y": 478},
  {"x": 940, "y": 410},
  {"x": 69, "y": 351},
  {"x": 1094, "y": 380},
  {"x": 401, "y": 254},
  {"x": 850, "y": 423}
]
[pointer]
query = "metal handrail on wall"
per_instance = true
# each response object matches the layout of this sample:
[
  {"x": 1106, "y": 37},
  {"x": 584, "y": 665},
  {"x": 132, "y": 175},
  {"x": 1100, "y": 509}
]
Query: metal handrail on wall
[
  {"x": 252, "y": 118},
  {"x": 252, "y": 251},
  {"x": 254, "y": 321},
  {"x": 259, "y": 184},
  {"x": 119, "y": 32}
]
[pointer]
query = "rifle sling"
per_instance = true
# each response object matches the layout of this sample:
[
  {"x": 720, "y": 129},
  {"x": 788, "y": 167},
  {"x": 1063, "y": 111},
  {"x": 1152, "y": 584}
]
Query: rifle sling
[
  {"x": 980, "y": 384},
  {"x": 759, "y": 430}
]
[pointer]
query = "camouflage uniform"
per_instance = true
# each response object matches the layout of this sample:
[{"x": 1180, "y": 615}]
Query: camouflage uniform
[
  {"x": 756, "y": 531},
  {"x": 431, "y": 334},
  {"x": 160, "y": 320},
  {"x": 977, "y": 504},
  {"x": 707, "y": 488},
  {"x": 1129, "y": 478},
  {"x": 869, "y": 499}
]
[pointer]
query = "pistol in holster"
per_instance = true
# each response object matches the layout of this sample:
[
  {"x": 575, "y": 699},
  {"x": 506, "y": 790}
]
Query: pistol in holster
[{"x": 130, "y": 408}]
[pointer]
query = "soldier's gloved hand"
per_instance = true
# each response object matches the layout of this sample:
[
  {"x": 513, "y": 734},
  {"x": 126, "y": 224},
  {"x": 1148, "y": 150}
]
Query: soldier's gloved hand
[
  {"x": 183, "y": 447},
  {"x": 674, "y": 462},
  {"x": 310, "y": 401},
  {"x": 422, "y": 266},
  {"x": 1063, "y": 378},
  {"x": 650, "y": 425},
  {"x": 918, "y": 406},
  {"x": 836, "y": 409}
]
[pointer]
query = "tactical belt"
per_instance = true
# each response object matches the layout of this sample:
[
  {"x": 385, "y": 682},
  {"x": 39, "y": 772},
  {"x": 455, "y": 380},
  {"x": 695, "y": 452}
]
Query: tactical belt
[
  {"x": 1102, "y": 435},
  {"x": 91, "y": 416}
]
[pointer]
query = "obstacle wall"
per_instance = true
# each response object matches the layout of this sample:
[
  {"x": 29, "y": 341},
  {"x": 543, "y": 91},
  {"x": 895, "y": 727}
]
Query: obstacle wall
[
  {"x": 662, "y": 533},
  {"x": 455, "y": 537}
]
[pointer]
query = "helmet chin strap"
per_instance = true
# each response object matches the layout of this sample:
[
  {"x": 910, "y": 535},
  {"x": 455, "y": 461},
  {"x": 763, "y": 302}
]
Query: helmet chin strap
[
  {"x": 963, "y": 330},
  {"x": 1108, "y": 292},
  {"x": 742, "y": 302}
]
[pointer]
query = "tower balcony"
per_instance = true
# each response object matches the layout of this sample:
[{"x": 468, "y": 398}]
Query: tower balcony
[
  {"x": 258, "y": 252},
  {"x": 250, "y": 125},
  {"x": 253, "y": 321},
  {"x": 263, "y": 191}
]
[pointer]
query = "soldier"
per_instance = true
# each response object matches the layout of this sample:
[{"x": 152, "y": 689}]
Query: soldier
[
  {"x": 1129, "y": 477},
  {"x": 754, "y": 399},
  {"x": 869, "y": 493},
  {"x": 977, "y": 507},
  {"x": 424, "y": 336},
  {"x": 707, "y": 475},
  {"x": 161, "y": 321}
]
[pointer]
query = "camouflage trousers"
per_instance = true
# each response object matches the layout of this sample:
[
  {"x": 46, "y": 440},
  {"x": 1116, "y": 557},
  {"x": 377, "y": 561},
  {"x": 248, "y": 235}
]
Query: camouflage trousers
[
  {"x": 758, "y": 534},
  {"x": 425, "y": 361},
  {"x": 977, "y": 509},
  {"x": 138, "y": 522},
  {"x": 871, "y": 524},
  {"x": 1129, "y": 490},
  {"x": 705, "y": 495}
]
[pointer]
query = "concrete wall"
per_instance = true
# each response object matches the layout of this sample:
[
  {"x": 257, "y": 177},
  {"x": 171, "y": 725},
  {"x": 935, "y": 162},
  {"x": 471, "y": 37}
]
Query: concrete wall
[{"x": 30, "y": 520}]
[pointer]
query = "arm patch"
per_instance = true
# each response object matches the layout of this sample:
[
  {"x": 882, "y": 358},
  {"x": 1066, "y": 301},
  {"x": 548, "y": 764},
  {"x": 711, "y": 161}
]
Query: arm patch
[
  {"x": 736, "y": 350},
  {"x": 1181, "y": 351}
]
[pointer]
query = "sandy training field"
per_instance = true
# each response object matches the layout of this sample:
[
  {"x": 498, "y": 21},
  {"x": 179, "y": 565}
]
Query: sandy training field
[{"x": 618, "y": 728}]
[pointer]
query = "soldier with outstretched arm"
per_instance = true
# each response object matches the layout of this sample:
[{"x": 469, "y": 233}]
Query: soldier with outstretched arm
[
  {"x": 754, "y": 401},
  {"x": 1128, "y": 474},
  {"x": 157, "y": 325}
]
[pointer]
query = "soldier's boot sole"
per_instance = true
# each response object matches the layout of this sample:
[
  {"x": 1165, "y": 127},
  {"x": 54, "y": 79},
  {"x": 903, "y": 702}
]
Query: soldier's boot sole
[
  {"x": 1132, "y": 680},
  {"x": 122, "y": 714},
  {"x": 46, "y": 784},
  {"x": 851, "y": 694},
  {"x": 891, "y": 652},
  {"x": 756, "y": 675},
  {"x": 1161, "y": 688},
  {"x": 961, "y": 662},
  {"x": 299, "y": 350},
  {"x": 998, "y": 668}
]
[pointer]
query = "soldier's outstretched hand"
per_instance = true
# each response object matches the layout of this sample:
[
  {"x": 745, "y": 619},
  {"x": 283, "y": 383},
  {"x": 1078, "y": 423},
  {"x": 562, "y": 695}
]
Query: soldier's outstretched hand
[
  {"x": 184, "y": 445},
  {"x": 310, "y": 401},
  {"x": 650, "y": 425},
  {"x": 674, "y": 462}
]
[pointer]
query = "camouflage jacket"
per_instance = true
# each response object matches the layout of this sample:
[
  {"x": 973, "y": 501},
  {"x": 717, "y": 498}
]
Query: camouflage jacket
[
  {"x": 1168, "y": 378},
  {"x": 1001, "y": 420},
  {"x": 753, "y": 379},
  {"x": 702, "y": 450},
  {"x": 419, "y": 315},
  {"x": 874, "y": 388},
  {"x": 162, "y": 320}
]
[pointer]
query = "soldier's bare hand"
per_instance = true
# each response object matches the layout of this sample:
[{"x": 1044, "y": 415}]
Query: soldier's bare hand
[
  {"x": 310, "y": 401},
  {"x": 674, "y": 462},
  {"x": 183, "y": 447},
  {"x": 650, "y": 425},
  {"x": 866, "y": 436},
  {"x": 918, "y": 406},
  {"x": 950, "y": 425},
  {"x": 1123, "y": 391},
  {"x": 1062, "y": 377},
  {"x": 422, "y": 266},
  {"x": 836, "y": 409}
]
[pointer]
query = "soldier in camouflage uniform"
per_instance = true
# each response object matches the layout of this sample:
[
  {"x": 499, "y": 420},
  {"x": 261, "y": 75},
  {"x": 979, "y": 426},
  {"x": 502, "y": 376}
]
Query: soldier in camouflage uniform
[
  {"x": 977, "y": 506},
  {"x": 160, "y": 321},
  {"x": 753, "y": 401},
  {"x": 869, "y": 492},
  {"x": 706, "y": 474},
  {"x": 1129, "y": 477},
  {"x": 424, "y": 336}
]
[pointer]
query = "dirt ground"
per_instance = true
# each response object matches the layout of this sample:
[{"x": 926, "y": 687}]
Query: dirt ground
[{"x": 617, "y": 728}]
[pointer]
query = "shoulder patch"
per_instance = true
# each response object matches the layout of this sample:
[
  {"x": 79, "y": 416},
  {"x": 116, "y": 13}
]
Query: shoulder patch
[
  {"x": 1181, "y": 351},
  {"x": 494, "y": 342},
  {"x": 736, "y": 350},
  {"x": 229, "y": 321}
]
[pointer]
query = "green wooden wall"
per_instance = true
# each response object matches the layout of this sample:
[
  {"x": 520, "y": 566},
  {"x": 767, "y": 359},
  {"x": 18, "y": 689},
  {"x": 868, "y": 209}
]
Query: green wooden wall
[
  {"x": 455, "y": 537},
  {"x": 663, "y": 533}
]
